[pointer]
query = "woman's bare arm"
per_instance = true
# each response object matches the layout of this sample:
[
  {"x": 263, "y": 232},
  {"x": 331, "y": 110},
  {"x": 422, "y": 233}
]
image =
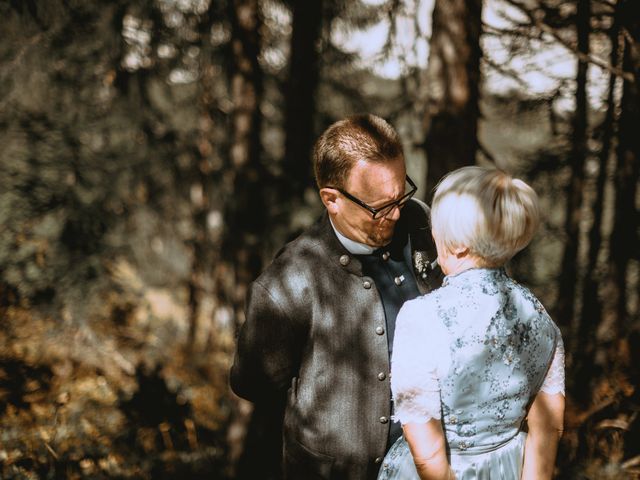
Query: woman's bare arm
[
  {"x": 545, "y": 420},
  {"x": 427, "y": 444}
]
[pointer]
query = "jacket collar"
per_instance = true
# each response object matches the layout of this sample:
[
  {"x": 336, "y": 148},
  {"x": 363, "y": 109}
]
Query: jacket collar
[
  {"x": 336, "y": 252},
  {"x": 340, "y": 256},
  {"x": 420, "y": 252},
  {"x": 355, "y": 248}
]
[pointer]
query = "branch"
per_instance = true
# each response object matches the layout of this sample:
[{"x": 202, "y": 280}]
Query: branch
[
  {"x": 506, "y": 72},
  {"x": 536, "y": 16},
  {"x": 521, "y": 31}
]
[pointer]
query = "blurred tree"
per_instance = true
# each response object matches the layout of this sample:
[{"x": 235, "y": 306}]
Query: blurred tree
[
  {"x": 100, "y": 114},
  {"x": 55, "y": 210},
  {"x": 204, "y": 179},
  {"x": 346, "y": 86},
  {"x": 624, "y": 237},
  {"x": 565, "y": 307},
  {"x": 453, "y": 82},
  {"x": 602, "y": 335},
  {"x": 246, "y": 209},
  {"x": 591, "y": 311},
  {"x": 300, "y": 94}
]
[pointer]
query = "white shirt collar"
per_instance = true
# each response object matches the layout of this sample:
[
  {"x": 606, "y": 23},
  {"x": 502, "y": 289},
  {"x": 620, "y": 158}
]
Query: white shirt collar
[{"x": 353, "y": 247}]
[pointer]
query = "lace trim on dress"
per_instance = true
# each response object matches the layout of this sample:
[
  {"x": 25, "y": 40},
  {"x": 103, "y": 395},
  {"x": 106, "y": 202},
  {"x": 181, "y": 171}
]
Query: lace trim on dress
[
  {"x": 416, "y": 406},
  {"x": 554, "y": 381}
]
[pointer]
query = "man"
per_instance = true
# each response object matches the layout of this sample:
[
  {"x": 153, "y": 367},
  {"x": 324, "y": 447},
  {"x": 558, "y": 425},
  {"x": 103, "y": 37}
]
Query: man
[{"x": 321, "y": 317}]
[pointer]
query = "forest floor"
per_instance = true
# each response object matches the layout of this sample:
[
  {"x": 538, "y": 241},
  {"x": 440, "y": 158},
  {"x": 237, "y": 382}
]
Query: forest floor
[
  {"x": 118, "y": 395},
  {"x": 99, "y": 400}
]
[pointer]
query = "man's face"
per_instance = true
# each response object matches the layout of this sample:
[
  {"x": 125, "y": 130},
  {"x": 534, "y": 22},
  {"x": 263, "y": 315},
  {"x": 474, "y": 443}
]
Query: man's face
[{"x": 376, "y": 184}]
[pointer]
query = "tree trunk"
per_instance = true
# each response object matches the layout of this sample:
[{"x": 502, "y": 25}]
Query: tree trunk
[
  {"x": 245, "y": 218},
  {"x": 585, "y": 341},
  {"x": 624, "y": 237},
  {"x": 453, "y": 76},
  {"x": 300, "y": 95},
  {"x": 569, "y": 271},
  {"x": 202, "y": 181}
]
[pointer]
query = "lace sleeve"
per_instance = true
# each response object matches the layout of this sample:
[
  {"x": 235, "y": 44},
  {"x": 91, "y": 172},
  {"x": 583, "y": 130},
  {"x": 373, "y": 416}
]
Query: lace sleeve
[
  {"x": 414, "y": 369},
  {"x": 554, "y": 381}
]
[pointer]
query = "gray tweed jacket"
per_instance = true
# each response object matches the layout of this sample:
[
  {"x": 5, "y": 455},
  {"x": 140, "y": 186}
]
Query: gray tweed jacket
[{"x": 315, "y": 335}]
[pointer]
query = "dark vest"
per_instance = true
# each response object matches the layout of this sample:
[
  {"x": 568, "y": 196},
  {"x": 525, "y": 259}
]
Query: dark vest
[{"x": 390, "y": 268}]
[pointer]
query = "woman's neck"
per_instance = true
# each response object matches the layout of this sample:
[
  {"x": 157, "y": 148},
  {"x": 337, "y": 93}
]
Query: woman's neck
[{"x": 459, "y": 265}]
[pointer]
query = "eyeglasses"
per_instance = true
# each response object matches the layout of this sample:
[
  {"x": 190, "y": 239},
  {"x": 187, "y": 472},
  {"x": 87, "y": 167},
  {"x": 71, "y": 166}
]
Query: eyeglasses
[{"x": 385, "y": 209}]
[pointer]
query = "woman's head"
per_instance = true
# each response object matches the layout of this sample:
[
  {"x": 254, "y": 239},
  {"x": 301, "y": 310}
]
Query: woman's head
[{"x": 485, "y": 211}]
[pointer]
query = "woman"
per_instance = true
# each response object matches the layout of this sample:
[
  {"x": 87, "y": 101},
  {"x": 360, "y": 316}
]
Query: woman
[{"x": 477, "y": 360}]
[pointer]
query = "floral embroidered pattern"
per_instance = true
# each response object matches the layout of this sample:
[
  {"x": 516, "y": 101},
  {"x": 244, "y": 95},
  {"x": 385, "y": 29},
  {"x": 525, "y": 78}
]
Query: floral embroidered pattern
[{"x": 480, "y": 347}]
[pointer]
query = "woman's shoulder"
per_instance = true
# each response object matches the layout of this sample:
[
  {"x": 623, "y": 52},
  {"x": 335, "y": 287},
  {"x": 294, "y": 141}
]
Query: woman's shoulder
[
  {"x": 527, "y": 297},
  {"x": 428, "y": 301},
  {"x": 425, "y": 312},
  {"x": 417, "y": 307},
  {"x": 532, "y": 306}
]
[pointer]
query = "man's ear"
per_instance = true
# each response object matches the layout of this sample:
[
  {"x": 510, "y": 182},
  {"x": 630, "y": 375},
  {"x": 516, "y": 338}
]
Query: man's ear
[{"x": 329, "y": 198}]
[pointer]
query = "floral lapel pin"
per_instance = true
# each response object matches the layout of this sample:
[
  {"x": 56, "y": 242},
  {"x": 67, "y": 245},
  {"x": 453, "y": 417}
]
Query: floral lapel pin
[{"x": 421, "y": 263}]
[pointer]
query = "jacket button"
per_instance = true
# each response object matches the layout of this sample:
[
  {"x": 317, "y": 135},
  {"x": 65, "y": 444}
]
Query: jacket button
[
  {"x": 382, "y": 376},
  {"x": 379, "y": 330},
  {"x": 378, "y": 460},
  {"x": 344, "y": 260},
  {"x": 384, "y": 420},
  {"x": 366, "y": 284},
  {"x": 386, "y": 255},
  {"x": 398, "y": 280}
]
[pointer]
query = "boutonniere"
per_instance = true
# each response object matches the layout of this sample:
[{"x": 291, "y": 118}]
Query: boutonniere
[{"x": 421, "y": 263}]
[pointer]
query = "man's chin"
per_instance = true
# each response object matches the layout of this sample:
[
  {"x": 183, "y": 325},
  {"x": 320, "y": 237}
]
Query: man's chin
[{"x": 380, "y": 239}]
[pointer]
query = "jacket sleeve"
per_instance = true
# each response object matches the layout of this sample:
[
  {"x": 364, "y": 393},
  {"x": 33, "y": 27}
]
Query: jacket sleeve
[{"x": 268, "y": 348}]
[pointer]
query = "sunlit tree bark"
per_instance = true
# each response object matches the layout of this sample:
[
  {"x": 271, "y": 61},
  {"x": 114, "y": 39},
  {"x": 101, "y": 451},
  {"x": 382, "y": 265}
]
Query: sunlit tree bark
[
  {"x": 585, "y": 341},
  {"x": 246, "y": 214},
  {"x": 575, "y": 189},
  {"x": 453, "y": 77},
  {"x": 202, "y": 180}
]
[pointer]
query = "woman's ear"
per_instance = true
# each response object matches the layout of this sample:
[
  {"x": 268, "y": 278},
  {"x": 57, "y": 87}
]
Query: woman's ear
[
  {"x": 329, "y": 198},
  {"x": 461, "y": 252}
]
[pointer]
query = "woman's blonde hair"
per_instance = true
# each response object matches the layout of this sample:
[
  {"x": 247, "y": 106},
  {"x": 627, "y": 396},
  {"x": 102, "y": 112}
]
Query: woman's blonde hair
[{"x": 485, "y": 210}]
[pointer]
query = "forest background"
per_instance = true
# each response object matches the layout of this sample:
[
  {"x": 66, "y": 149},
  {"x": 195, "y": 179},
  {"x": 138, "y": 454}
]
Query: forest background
[{"x": 155, "y": 156}]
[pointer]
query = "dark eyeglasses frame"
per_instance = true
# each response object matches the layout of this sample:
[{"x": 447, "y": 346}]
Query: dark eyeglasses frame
[{"x": 376, "y": 212}]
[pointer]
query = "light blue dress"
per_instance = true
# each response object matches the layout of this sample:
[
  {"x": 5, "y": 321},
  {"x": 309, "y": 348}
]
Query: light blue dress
[{"x": 473, "y": 354}]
